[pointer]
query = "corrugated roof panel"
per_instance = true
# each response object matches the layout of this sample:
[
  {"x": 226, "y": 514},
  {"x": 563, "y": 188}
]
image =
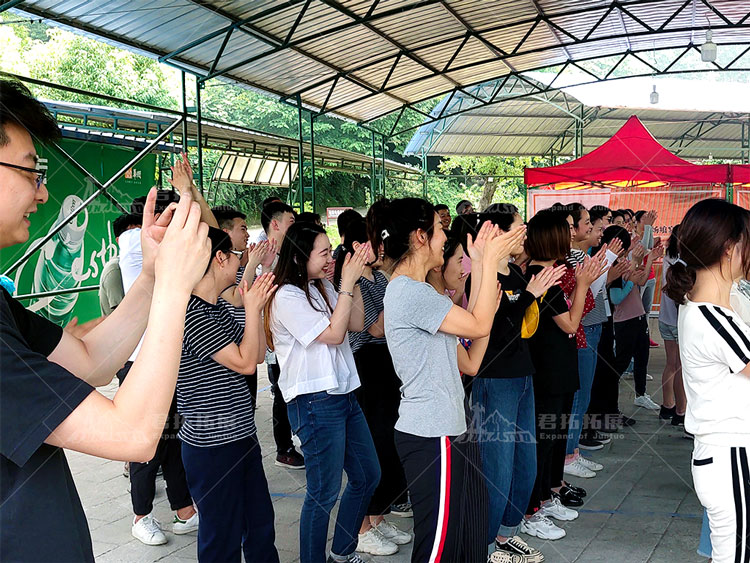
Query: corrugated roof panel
[
  {"x": 419, "y": 26},
  {"x": 407, "y": 70},
  {"x": 479, "y": 73},
  {"x": 345, "y": 91},
  {"x": 359, "y": 7},
  {"x": 473, "y": 50},
  {"x": 429, "y": 87},
  {"x": 280, "y": 22},
  {"x": 348, "y": 48},
  {"x": 439, "y": 55},
  {"x": 481, "y": 14},
  {"x": 508, "y": 38},
  {"x": 285, "y": 70}
]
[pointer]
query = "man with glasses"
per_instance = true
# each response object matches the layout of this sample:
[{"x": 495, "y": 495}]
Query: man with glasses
[{"x": 47, "y": 376}]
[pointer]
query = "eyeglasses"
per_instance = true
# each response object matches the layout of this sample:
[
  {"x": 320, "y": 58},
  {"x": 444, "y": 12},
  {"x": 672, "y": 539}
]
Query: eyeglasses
[
  {"x": 41, "y": 174},
  {"x": 237, "y": 253}
]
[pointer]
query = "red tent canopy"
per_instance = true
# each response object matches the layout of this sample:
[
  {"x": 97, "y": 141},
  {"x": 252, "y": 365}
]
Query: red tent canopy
[
  {"x": 741, "y": 173},
  {"x": 631, "y": 155}
]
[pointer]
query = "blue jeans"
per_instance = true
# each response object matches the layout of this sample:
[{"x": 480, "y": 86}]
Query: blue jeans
[
  {"x": 504, "y": 420},
  {"x": 586, "y": 369},
  {"x": 335, "y": 438},
  {"x": 704, "y": 547}
]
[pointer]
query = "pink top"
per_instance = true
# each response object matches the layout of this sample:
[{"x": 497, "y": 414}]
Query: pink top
[{"x": 630, "y": 307}]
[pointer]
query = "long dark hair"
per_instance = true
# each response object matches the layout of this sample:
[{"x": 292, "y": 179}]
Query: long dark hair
[
  {"x": 672, "y": 244},
  {"x": 391, "y": 224},
  {"x": 291, "y": 269},
  {"x": 708, "y": 229},
  {"x": 356, "y": 231}
]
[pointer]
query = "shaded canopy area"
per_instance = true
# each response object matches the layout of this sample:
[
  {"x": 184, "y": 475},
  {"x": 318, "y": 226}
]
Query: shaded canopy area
[{"x": 364, "y": 59}]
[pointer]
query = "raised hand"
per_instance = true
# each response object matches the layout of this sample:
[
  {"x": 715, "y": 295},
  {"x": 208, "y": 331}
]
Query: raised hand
[
  {"x": 615, "y": 245},
  {"x": 258, "y": 295},
  {"x": 270, "y": 255},
  {"x": 541, "y": 282},
  {"x": 502, "y": 245},
  {"x": 183, "y": 247},
  {"x": 182, "y": 174},
  {"x": 354, "y": 266},
  {"x": 649, "y": 218},
  {"x": 639, "y": 253},
  {"x": 656, "y": 253},
  {"x": 590, "y": 270},
  {"x": 619, "y": 269},
  {"x": 153, "y": 230},
  {"x": 475, "y": 246},
  {"x": 255, "y": 252}
]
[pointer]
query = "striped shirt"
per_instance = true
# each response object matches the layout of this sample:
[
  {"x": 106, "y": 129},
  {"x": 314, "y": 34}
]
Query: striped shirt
[
  {"x": 714, "y": 350},
  {"x": 214, "y": 400},
  {"x": 372, "y": 298}
]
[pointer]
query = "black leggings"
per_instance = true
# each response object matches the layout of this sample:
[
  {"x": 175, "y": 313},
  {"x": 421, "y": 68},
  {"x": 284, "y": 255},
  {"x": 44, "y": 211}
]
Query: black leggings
[
  {"x": 604, "y": 392},
  {"x": 169, "y": 457},
  {"x": 552, "y": 417},
  {"x": 379, "y": 397},
  {"x": 282, "y": 430},
  {"x": 632, "y": 342}
]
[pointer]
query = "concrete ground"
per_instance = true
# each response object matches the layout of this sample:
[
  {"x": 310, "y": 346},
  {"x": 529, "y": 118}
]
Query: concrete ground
[{"x": 641, "y": 507}]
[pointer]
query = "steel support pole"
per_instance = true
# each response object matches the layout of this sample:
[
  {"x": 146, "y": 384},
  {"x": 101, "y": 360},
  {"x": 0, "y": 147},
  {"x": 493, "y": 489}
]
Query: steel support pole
[
  {"x": 424, "y": 174},
  {"x": 312, "y": 160},
  {"x": 382, "y": 140},
  {"x": 104, "y": 187},
  {"x": 199, "y": 116},
  {"x": 301, "y": 157},
  {"x": 9, "y": 5},
  {"x": 184, "y": 116},
  {"x": 291, "y": 178},
  {"x": 745, "y": 143},
  {"x": 374, "y": 166}
]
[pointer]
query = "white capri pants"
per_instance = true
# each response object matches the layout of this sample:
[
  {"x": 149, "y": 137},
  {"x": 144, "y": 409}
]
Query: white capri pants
[{"x": 722, "y": 482}]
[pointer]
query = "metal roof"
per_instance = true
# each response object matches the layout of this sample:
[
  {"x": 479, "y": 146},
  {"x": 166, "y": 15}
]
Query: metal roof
[
  {"x": 362, "y": 59},
  {"x": 544, "y": 124},
  {"x": 133, "y": 125}
]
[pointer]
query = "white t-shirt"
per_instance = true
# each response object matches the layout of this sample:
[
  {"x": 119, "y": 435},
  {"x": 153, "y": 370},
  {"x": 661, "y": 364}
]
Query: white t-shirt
[
  {"x": 714, "y": 349},
  {"x": 309, "y": 366},
  {"x": 131, "y": 264}
]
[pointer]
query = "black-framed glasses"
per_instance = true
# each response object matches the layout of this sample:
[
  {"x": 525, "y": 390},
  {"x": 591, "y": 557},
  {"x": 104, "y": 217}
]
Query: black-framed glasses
[{"x": 41, "y": 173}]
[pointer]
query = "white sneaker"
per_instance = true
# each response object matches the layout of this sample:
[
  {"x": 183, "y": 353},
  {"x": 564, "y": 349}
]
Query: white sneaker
[
  {"x": 553, "y": 508},
  {"x": 505, "y": 557},
  {"x": 541, "y": 527},
  {"x": 393, "y": 534},
  {"x": 649, "y": 377},
  {"x": 180, "y": 527},
  {"x": 577, "y": 469},
  {"x": 374, "y": 543},
  {"x": 148, "y": 530},
  {"x": 588, "y": 464},
  {"x": 645, "y": 402}
]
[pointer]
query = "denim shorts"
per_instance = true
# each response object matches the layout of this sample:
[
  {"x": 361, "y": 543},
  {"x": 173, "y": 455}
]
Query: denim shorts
[{"x": 668, "y": 332}]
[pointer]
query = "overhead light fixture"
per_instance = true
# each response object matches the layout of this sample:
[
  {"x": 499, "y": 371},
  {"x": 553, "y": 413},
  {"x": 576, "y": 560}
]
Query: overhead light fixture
[
  {"x": 708, "y": 49},
  {"x": 654, "y": 96}
]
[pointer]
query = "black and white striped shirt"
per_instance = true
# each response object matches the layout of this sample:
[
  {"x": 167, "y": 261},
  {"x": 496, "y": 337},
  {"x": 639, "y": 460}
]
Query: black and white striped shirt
[
  {"x": 214, "y": 400},
  {"x": 373, "y": 293},
  {"x": 714, "y": 349}
]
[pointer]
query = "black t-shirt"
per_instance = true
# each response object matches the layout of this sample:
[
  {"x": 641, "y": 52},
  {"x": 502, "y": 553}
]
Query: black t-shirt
[
  {"x": 553, "y": 351},
  {"x": 41, "y": 517},
  {"x": 507, "y": 353}
]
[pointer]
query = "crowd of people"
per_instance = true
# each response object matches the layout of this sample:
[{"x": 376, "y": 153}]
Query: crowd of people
[{"x": 454, "y": 369}]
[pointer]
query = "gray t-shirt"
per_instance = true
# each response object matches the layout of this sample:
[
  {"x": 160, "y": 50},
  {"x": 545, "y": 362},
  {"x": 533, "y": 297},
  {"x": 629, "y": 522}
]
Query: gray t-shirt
[{"x": 432, "y": 397}]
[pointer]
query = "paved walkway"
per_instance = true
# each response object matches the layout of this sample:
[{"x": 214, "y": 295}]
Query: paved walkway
[{"x": 641, "y": 507}]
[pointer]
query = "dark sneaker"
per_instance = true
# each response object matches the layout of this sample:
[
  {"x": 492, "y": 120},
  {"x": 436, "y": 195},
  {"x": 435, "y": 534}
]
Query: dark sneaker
[
  {"x": 667, "y": 413},
  {"x": 568, "y": 497},
  {"x": 353, "y": 558},
  {"x": 580, "y": 491},
  {"x": 590, "y": 444},
  {"x": 402, "y": 510},
  {"x": 678, "y": 420},
  {"x": 291, "y": 459},
  {"x": 603, "y": 438},
  {"x": 516, "y": 546},
  {"x": 627, "y": 421}
]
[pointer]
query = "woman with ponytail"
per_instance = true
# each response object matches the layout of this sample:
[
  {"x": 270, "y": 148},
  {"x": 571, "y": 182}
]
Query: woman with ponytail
[
  {"x": 421, "y": 326},
  {"x": 714, "y": 251},
  {"x": 307, "y": 323},
  {"x": 379, "y": 397}
]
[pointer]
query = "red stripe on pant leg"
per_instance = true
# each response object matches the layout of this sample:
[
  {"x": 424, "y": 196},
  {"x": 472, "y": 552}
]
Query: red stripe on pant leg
[{"x": 447, "y": 503}]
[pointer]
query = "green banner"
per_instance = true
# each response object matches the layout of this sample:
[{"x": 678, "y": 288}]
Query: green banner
[{"x": 73, "y": 258}]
